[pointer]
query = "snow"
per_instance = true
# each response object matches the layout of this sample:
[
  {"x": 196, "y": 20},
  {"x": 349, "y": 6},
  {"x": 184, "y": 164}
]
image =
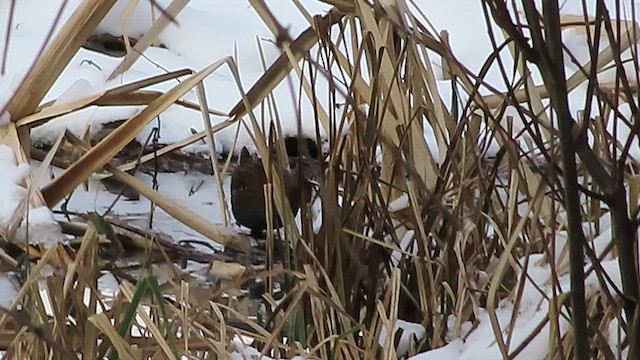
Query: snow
[
  {"x": 410, "y": 333},
  {"x": 200, "y": 37},
  {"x": 243, "y": 352},
  {"x": 38, "y": 226},
  {"x": 41, "y": 227},
  {"x": 8, "y": 290},
  {"x": 481, "y": 343},
  {"x": 15, "y": 192},
  {"x": 401, "y": 203},
  {"x": 207, "y": 31},
  {"x": 197, "y": 191}
]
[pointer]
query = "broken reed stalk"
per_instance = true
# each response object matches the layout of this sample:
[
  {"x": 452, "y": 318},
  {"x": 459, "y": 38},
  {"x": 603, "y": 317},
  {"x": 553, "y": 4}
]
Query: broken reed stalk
[{"x": 213, "y": 154}]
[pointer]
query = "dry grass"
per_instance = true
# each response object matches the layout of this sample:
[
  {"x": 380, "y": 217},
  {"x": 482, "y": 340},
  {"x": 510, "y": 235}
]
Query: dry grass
[{"x": 462, "y": 243}]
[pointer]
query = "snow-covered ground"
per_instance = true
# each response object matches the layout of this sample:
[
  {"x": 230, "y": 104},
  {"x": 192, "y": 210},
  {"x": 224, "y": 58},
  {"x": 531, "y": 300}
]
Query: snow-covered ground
[
  {"x": 531, "y": 315},
  {"x": 206, "y": 31}
]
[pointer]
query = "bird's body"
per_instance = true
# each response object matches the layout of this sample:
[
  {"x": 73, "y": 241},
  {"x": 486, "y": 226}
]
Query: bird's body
[{"x": 247, "y": 194}]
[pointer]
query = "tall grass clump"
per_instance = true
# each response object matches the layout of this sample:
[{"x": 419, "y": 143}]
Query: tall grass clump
[{"x": 434, "y": 209}]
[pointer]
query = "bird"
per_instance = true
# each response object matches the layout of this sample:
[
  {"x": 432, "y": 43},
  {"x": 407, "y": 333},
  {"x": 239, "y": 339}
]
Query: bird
[
  {"x": 301, "y": 147},
  {"x": 304, "y": 157},
  {"x": 247, "y": 194}
]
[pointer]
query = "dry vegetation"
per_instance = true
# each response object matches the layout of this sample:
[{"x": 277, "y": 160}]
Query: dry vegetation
[{"x": 462, "y": 242}]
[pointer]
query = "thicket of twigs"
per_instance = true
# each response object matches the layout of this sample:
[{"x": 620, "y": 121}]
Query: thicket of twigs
[{"x": 405, "y": 234}]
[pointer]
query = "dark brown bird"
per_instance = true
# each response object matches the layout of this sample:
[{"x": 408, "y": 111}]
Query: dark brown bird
[{"x": 247, "y": 194}]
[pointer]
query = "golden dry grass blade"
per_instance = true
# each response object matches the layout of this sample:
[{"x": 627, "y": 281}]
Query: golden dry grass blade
[
  {"x": 505, "y": 260},
  {"x": 124, "y": 18},
  {"x": 389, "y": 314},
  {"x": 122, "y": 95},
  {"x": 118, "y": 139},
  {"x": 228, "y": 270},
  {"x": 46, "y": 162},
  {"x": 47, "y": 113},
  {"x": 177, "y": 145},
  {"x": 150, "y": 36},
  {"x": 396, "y": 104},
  {"x": 151, "y": 325},
  {"x": 386, "y": 72},
  {"x": 36, "y": 274},
  {"x": 103, "y": 323},
  {"x": 145, "y": 97},
  {"x": 89, "y": 240},
  {"x": 213, "y": 156},
  {"x": 220, "y": 234},
  {"x": 295, "y": 297},
  {"x": 56, "y": 56},
  {"x": 9, "y": 135},
  {"x": 281, "y": 67},
  {"x": 22, "y": 207},
  {"x": 156, "y": 79},
  {"x": 58, "y": 311},
  {"x": 293, "y": 55}
]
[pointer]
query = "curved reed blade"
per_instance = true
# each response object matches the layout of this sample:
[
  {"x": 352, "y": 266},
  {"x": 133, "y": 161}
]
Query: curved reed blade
[{"x": 56, "y": 56}]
